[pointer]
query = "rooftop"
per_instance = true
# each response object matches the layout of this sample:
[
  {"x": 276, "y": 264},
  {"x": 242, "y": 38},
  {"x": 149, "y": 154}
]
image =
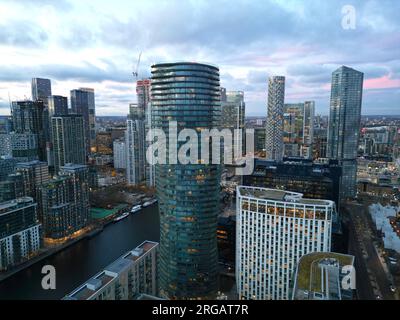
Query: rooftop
[
  {"x": 308, "y": 274},
  {"x": 279, "y": 195},
  {"x": 99, "y": 281}
]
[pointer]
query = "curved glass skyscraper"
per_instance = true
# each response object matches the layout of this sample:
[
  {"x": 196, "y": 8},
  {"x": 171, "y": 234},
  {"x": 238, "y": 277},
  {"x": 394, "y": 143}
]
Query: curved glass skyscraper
[{"x": 188, "y": 93}]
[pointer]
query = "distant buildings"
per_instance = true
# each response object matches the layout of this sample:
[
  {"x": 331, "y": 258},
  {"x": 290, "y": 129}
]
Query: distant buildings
[
  {"x": 232, "y": 117},
  {"x": 135, "y": 145},
  {"x": 68, "y": 135},
  {"x": 274, "y": 125},
  {"x": 316, "y": 180},
  {"x": 127, "y": 278},
  {"x": 20, "y": 237},
  {"x": 119, "y": 152},
  {"x": 320, "y": 276},
  {"x": 298, "y": 129},
  {"x": 83, "y": 103},
  {"x": 188, "y": 93},
  {"x": 344, "y": 124},
  {"x": 34, "y": 174},
  {"x": 41, "y": 89},
  {"x": 275, "y": 228},
  {"x": 30, "y": 118},
  {"x": 57, "y": 105},
  {"x": 64, "y": 202}
]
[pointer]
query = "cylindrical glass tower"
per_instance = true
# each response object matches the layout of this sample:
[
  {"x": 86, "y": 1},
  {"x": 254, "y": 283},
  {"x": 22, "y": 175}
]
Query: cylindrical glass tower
[{"x": 188, "y": 194}]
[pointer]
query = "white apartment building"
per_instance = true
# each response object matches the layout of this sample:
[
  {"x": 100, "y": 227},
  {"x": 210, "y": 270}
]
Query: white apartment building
[
  {"x": 119, "y": 152},
  {"x": 20, "y": 235},
  {"x": 274, "y": 229},
  {"x": 128, "y": 277}
]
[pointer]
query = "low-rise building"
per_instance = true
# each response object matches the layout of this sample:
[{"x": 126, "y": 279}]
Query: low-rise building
[
  {"x": 320, "y": 276},
  {"x": 126, "y": 278}
]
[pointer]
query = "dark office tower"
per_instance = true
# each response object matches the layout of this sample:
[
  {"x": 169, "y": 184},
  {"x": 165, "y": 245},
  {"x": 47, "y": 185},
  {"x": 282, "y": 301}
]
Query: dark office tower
[
  {"x": 83, "y": 103},
  {"x": 58, "y": 106},
  {"x": 41, "y": 89},
  {"x": 29, "y": 118},
  {"x": 274, "y": 124},
  {"x": 344, "y": 124},
  {"x": 79, "y": 185},
  {"x": 68, "y": 137},
  {"x": 188, "y": 93}
]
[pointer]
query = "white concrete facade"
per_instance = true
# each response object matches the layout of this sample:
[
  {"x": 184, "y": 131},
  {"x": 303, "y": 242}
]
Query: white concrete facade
[{"x": 274, "y": 229}]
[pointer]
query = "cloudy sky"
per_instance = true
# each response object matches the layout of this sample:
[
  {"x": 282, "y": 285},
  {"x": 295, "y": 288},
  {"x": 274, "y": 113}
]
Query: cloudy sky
[{"x": 96, "y": 43}]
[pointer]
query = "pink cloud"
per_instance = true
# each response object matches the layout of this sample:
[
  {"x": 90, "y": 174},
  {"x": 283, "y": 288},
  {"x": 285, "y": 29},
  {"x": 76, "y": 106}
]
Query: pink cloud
[{"x": 383, "y": 82}]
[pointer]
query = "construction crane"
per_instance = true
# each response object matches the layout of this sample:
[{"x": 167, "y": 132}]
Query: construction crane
[{"x": 136, "y": 73}]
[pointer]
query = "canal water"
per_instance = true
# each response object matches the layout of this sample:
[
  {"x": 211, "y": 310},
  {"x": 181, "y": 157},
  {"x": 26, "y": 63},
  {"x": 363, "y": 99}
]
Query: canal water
[{"x": 77, "y": 263}]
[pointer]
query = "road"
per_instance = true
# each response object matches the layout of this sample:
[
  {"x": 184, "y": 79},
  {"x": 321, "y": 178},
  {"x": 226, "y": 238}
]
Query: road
[{"x": 372, "y": 280}]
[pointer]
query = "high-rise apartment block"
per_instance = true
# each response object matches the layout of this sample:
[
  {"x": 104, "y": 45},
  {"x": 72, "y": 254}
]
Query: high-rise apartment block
[
  {"x": 275, "y": 228},
  {"x": 135, "y": 145},
  {"x": 188, "y": 194},
  {"x": 20, "y": 231},
  {"x": 41, "y": 89},
  {"x": 29, "y": 117},
  {"x": 119, "y": 153},
  {"x": 274, "y": 125},
  {"x": 57, "y": 105},
  {"x": 344, "y": 124},
  {"x": 68, "y": 135},
  {"x": 83, "y": 103}
]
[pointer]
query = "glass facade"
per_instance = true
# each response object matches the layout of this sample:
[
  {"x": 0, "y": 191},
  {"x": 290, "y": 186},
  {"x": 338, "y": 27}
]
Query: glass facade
[
  {"x": 188, "y": 93},
  {"x": 344, "y": 124}
]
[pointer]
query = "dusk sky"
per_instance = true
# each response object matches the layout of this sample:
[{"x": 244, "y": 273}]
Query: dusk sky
[{"x": 97, "y": 43}]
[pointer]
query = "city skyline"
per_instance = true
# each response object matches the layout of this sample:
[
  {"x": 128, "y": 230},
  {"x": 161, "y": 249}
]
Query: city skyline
[{"x": 73, "y": 49}]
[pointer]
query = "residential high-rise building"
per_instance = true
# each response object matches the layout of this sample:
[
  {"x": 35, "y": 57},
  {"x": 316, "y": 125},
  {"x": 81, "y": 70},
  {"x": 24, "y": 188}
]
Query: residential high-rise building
[
  {"x": 128, "y": 277},
  {"x": 83, "y": 103},
  {"x": 64, "y": 202},
  {"x": 232, "y": 117},
  {"x": 119, "y": 153},
  {"x": 274, "y": 124},
  {"x": 34, "y": 174},
  {"x": 20, "y": 235},
  {"x": 275, "y": 228},
  {"x": 135, "y": 145},
  {"x": 143, "y": 92},
  {"x": 58, "y": 106},
  {"x": 298, "y": 127},
  {"x": 29, "y": 117},
  {"x": 344, "y": 124},
  {"x": 41, "y": 89},
  {"x": 68, "y": 135},
  {"x": 188, "y": 194},
  {"x": 320, "y": 142},
  {"x": 79, "y": 175},
  {"x": 319, "y": 276}
]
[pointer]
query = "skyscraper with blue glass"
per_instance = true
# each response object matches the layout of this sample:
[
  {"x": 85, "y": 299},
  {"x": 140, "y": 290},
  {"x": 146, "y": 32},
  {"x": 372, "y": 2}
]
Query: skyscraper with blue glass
[
  {"x": 344, "y": 124},
  {"x": 188, "y": 93}
]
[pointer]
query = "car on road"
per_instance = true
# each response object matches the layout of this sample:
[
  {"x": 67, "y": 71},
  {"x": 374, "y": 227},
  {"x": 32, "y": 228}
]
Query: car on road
[
  {"x": 378, "y": 297},
  {"x": 393, "y": 288}
]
